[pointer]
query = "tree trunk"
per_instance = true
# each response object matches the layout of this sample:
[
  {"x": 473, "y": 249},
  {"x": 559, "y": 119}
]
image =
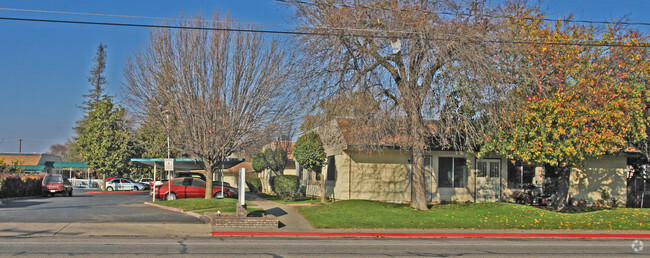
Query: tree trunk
[
  {"x": 562, "y": 193},
  {"x": 208, "y": 180},
  {"x": 265, "y": 184},
  {"x": 321, "y": 184},
  {"x": 418, "y": 189}
]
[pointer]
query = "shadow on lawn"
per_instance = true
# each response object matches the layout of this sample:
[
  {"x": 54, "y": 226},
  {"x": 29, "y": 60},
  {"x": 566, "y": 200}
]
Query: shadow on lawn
[
  {"x": 575, "y": 209},
  {"x": 568, "y": 209}
]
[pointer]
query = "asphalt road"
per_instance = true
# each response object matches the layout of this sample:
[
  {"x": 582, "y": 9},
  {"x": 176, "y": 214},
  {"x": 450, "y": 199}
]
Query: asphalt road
[
  {"x": 89, "y": 207},
  {"x": 307, "y": 247}
]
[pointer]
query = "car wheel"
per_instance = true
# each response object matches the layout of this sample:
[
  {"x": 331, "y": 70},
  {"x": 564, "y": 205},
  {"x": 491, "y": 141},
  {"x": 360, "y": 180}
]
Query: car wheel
[
  {"x": 171, "y": 197},
  {"x": 110, "y": 188},
  {"x": 219, "y": 195},
  {"x": 135, "y": 188},
  {"x": 51, "y": 194}
]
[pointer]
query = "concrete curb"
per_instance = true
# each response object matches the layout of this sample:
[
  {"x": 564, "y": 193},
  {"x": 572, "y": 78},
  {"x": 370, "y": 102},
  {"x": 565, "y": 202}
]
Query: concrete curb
[
  {"x": 190, "y": 213},
  {"x": 433, "y": 235}
]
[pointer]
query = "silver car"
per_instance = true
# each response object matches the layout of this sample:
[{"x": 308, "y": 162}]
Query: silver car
[{"x": 123, "y": 184}]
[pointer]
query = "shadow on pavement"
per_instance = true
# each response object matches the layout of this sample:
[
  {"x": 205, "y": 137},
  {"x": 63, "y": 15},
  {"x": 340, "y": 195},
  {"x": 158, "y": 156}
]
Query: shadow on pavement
[
  {"x": 20, "y": 204},
  {"x": 27, "y": 233},
  {"x": 277, "y": 211}
]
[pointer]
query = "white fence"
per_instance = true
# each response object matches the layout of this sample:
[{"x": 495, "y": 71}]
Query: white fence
[{"x": 84, "y": 182}]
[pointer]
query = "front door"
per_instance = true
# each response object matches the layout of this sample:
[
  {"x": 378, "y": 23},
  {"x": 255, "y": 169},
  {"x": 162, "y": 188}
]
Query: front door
[{"x": 488, "y": 180}]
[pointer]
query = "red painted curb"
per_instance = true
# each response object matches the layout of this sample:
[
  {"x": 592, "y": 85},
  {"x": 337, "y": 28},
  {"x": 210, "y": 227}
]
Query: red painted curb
[{"x": 436, "y": 235}]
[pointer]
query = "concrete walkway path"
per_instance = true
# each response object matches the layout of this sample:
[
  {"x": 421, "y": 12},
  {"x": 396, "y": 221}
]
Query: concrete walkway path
[{"x": 291, "y": 220}]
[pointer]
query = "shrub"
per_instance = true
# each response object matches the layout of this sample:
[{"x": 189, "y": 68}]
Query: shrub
[
  {"x": 14, "y": 186},
  {"x": 286, "y": 187},
  {"x": 254, "y": 184}
]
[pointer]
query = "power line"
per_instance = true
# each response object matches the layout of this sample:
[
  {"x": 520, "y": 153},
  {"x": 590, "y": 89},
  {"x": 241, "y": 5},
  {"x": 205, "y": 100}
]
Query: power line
[
  {"x": 264, "y": 24},
  {"x": 140, "y": 17},
  {"x": 523, "y": 41},
  {"x": 617, "y": 4},
  {"x": 459, "y": 14}
]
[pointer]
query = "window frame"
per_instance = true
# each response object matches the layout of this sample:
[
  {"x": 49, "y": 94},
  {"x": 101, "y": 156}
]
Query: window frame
[
  {"x": 453, "y": 176},
  {"x": 488, "y": 172},
  {"x": 520, "y": 168}
]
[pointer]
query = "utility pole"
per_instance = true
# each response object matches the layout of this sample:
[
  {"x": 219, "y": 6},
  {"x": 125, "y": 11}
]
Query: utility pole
[{"x": 20, "y": 145}]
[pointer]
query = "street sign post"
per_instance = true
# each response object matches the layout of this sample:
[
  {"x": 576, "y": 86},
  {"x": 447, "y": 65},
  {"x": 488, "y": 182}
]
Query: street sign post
[{"x": 169, "y": 164}]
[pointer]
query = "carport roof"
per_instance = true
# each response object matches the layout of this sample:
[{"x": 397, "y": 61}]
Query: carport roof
[
  {"x": 187, "y": 164},
  {"x": 70, "y": 164}
]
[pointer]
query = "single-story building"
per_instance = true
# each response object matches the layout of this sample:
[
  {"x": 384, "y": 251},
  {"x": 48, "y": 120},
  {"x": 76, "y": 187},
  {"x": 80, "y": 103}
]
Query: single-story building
[
  {"x": 384, "y": 172},
  {"x": 33, "y": 162}
]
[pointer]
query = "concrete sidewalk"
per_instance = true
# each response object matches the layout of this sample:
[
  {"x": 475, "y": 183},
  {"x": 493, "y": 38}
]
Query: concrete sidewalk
[
  {"x": 167, "y": 230},
  {"x": 291, "y": 220},
  {"x": 104, "y": 230}
]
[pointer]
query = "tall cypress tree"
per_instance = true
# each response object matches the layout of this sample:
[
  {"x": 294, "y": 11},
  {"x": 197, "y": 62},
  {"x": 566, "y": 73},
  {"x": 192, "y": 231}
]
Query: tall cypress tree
[
  {"x": 97, "y": 80},
  {"x": 102, "y": 138}
]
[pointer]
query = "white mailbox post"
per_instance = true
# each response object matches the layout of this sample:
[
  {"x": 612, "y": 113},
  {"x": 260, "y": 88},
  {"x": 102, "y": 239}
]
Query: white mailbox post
[{"x": 242, "y": 183}]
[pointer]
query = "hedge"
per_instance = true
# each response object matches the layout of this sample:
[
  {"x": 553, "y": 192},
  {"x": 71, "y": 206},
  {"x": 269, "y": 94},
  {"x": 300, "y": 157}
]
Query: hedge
[
  {"x": 254, "y": 184},
  {"x": 19, "y": 186},
  {"x": 286, "y": 187}
]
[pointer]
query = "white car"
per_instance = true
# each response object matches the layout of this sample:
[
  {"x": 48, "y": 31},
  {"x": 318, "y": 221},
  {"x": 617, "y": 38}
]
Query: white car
[
  {"x": 123, "y": 184},
  {"x": 145, "y": 180}
]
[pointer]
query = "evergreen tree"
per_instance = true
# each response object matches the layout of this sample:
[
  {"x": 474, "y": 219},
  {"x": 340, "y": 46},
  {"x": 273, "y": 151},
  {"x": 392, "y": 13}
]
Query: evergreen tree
[
  {"x": 96, "y": 79},
  {"x": 310, "y": 154},
  {"x": 104, "y": 141}
]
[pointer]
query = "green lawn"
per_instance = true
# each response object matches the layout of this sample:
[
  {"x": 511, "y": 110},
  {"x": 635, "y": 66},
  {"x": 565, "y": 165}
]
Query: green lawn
[
  {"x": 298, "y": 199},
  {"x": 200, "y": 205},
  {"x": 370, "y": 214}
]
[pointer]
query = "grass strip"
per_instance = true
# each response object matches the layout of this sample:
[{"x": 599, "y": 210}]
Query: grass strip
[
  {"x": 298, "y": 200},
  {"x": 192, "y": 204},
  {"x": 372, "y": 214}
]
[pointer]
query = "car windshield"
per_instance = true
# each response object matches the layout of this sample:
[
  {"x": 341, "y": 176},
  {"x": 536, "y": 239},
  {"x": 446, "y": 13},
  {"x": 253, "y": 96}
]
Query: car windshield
[{"x": 53, "y": 180}]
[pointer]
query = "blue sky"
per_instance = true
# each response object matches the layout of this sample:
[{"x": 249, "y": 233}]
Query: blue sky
[{"x": 44, "y": 66}]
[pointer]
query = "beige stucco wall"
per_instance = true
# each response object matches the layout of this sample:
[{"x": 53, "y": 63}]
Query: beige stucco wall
[
  {"x": 606, "y": 172},
  {"x": 380, "y": 175},
  {"x": 386, "y": 176}
]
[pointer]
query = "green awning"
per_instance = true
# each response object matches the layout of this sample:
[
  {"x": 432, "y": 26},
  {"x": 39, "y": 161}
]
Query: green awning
[{"x": 70, "y": 164}]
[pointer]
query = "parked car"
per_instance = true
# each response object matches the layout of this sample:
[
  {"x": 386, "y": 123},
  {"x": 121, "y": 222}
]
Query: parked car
[
  {"x": 54, "y": 184},
  {"x": 123, "y": 184},
  {"x": 191, "y": 174},
  {"x": 188, "y": 187},
  {"x": 146, "y": 186},
  {"x": 145, "y": 180},
  {"x": 227, "y": 186}
]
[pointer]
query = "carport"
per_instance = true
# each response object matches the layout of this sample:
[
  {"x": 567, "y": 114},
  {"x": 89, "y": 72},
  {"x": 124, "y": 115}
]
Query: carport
[
  {"x": 186, "y": 164},
  {"x": 74, "y": 165}
]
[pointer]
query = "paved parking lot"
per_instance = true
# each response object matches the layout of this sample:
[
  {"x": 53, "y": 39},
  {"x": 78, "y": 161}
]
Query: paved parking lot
[{"x": 90, "y": 207}]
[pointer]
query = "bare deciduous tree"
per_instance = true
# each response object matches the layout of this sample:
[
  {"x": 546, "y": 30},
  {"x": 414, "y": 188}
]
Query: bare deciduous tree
[
  {"x": 223, "y": 89},
  {"x": 419, "y": 60}
]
